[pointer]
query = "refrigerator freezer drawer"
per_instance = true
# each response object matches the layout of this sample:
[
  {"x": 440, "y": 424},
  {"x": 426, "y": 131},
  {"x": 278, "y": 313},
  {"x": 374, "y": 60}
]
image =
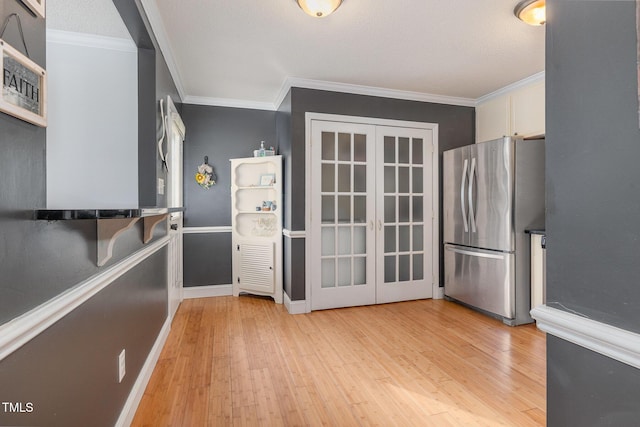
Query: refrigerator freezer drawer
[{"x": 481, "y": 278}]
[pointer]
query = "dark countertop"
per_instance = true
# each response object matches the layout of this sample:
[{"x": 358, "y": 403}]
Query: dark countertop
[
  {"x": 68, "y": 214},
  {"x": 540, "y": 231}
]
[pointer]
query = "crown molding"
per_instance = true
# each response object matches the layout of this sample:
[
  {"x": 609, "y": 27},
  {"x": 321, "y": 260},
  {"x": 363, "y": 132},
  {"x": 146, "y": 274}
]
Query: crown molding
[
  {"x": 513, "y": 86},
  {"x": 157, "y": 26},
  {"x": 227, "y": 102},
  {"x": 370, "y": 91},
  {"x": 91, "y": 41}
]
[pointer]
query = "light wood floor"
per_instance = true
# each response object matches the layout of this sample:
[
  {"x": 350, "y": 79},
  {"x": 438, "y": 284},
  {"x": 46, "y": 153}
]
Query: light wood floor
[{"x": 247, "y": 362}]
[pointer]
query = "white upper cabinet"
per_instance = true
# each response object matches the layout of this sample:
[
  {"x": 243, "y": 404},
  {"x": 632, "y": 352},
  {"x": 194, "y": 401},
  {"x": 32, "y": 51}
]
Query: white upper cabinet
[
  {"x": 493, "y": 119},
  {"x": 517, "y": 112},
  {"x": 527, "y": 110}
]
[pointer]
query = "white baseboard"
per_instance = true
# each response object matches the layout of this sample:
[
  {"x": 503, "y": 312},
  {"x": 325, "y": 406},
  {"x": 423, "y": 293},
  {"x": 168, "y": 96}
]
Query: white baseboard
[
  {"x": 137, "y": 391},
  {"x": 438, "y": 292},
  {"x": 207, "y": 291},
  {"x": 295, "y": 307},
  {"x": 608, "y": 340}
]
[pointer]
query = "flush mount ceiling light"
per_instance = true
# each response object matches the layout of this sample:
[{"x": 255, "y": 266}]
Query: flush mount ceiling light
[
  {"x": 531, "y": 11},
  {"x": 319, "y": 8}
]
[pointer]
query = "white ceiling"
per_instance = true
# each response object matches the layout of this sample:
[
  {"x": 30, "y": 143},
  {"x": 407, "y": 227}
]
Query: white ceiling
[{"x": 245, "y": 52}]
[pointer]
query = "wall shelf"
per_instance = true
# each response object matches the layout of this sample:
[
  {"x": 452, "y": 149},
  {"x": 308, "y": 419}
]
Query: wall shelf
[{"x": 110, "y": 223}]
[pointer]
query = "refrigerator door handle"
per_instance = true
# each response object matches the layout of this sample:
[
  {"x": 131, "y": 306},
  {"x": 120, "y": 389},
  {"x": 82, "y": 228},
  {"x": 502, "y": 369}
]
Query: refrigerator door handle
[
  {"x": 472, "y": 177},
  {"x": 472, "y": 253},
  {"x": 462, "y": 207}
]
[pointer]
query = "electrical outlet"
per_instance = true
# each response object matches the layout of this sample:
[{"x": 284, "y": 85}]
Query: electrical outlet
[
  {"x": 160, "y": 186},
  {"x": 122, "y": 366}
]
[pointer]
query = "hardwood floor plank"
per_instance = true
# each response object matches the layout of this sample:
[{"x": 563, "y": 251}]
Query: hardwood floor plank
[{"x": 244, "y": 361}]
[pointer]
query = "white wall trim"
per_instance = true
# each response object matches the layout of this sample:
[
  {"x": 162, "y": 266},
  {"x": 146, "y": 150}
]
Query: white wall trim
[
  {"x": 157, "y": 26},
  {"x": 91, "y": 41},
  {"x": 327, "y": 86},
  {"x": 438, "y": 292},
  {"x": 608, "y": 340},
  {"x": 369, "y": 91},
  {"x": 300, "y": 234},
  {"x": 231, "y": 103},
  {"x": 191, "y": 292},
  {"x": 17, "y": 332},
  {"x": 201, "y": 230},
  {"x": 513, "y": 86},
  {"x": 137, "y": 391},
  {"x": 295, "y": 307}
]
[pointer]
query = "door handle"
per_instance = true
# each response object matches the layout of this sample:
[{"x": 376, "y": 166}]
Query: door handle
[
  {"x": 472, "y": 215},
  {"x": 379, "y": 225},
  {"x": 475, "y": 254},
  {"x": 463, "y": 182},
  {"x": 371, "y": 224}
]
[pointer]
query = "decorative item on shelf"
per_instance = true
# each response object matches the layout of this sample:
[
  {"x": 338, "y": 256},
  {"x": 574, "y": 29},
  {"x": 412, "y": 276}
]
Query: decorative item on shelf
[
  {"x": 264, "y": 226},
  {"x": 205, "y": 177},
  {"x": 267, "y": 179},
  {"x": 266, "y": 206},
  {"x": 37, "y": 7},
  {"x": 163, "y": 155},
  {"x": 263, "y": 152},
  {"x": 24, "y": 82}
]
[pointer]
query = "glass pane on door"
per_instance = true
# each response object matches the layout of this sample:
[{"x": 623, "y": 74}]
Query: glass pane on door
[
  {"x": 403, "y": 196},
  {"x": 343, "y": 208}
]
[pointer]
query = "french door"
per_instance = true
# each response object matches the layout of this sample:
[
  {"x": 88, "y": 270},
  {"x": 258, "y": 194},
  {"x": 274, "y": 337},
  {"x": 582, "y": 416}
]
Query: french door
[{"x": 370, "y": 214}]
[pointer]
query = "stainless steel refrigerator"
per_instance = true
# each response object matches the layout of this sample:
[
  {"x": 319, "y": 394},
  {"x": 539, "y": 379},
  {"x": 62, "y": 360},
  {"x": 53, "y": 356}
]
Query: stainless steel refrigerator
[{"x": 493, "y": 191}]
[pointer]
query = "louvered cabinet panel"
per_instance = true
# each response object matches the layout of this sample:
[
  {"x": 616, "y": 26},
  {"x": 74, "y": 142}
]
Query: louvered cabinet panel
[{"x": 256, "y": 271}]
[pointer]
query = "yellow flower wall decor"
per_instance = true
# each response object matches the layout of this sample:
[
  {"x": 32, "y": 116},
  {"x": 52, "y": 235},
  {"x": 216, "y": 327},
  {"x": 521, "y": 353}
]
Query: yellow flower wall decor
[{"x": 205, "y": 177}]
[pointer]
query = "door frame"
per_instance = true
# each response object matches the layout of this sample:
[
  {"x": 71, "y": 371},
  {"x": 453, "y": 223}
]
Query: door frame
[
  {"x": 435, "y": 190},
  {"x": 173, "y": 121}
]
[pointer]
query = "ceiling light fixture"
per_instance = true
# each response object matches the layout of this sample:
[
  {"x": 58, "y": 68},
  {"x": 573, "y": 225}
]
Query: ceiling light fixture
[
  {"x": 531, "y": 11},
  {"x": 319, "y": 8}
]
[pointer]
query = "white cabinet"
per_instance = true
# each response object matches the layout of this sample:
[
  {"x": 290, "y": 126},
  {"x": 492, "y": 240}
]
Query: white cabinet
[
  {"x": 256, "y": 221},
  {"x": 518, "y": 112},
  {"x": 527, "y": 110},
  {"x": 493, "y": 119}
]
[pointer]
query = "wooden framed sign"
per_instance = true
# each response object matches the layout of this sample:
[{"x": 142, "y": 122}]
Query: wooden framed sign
[
  {"x": 36, "y": 6},
  {"x": 24, "y": 86}
]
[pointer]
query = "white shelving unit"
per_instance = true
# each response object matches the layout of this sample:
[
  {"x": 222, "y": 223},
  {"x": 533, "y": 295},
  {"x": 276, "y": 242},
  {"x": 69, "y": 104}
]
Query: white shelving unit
[{"x": 256, "y": 221}]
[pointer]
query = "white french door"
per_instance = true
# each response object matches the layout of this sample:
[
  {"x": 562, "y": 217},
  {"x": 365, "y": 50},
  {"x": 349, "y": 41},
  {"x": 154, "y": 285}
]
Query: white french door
[
  {"x": 404, "y": 214},
  {"x": 371, "y": 206},
  {"x": 343, "y": 232}
]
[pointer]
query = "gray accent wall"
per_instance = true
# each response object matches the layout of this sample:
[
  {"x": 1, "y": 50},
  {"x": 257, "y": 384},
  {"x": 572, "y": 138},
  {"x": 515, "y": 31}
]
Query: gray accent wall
[
  {"x": 69, "y": 370},
  {"x": 69, "y": 373},
  {"x": 221, "y": 133},
  {"x": 593, "y": 203},
  {"x": 456, "y": 129}
]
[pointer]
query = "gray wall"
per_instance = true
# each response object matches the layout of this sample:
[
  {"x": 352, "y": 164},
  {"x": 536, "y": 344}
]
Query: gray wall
[
  {"x": 220, "y": 133},
  {"x": 68, "y": 370},
  {"x": 456, "y": 129},
  {"x": 593, "y": 202}
]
